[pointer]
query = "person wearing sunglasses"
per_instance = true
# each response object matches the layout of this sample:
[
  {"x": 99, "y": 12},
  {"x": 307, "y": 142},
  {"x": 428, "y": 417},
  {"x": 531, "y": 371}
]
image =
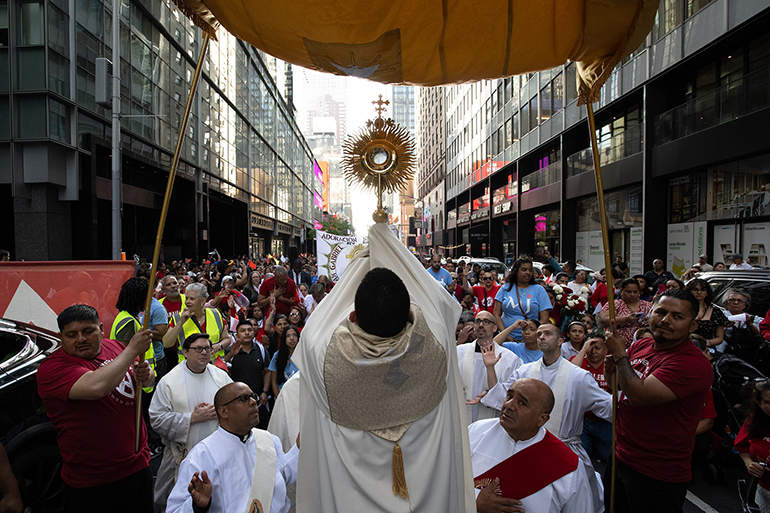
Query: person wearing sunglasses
[
  {"x": 182, "y": 409},
  {"x": 486, "y": 291},
  {"x": 238, "y": 467}
]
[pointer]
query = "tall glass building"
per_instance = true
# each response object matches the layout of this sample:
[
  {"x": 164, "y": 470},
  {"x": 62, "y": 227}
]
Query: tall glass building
[
  {"x": 681, "y": 125},
  {"x": 245, "y": 182}
]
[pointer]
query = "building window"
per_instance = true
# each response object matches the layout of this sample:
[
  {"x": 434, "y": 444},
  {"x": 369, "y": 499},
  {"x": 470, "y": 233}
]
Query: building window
[
  {"x": 668, "y": 17},
  {"x": 58, "y": 122},
  {"x": 31, "y": 117},
  {"x": 30, "y": 28}
]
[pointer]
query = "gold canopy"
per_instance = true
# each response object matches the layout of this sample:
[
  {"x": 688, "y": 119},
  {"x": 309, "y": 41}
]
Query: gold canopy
[{"x": 429, "y": 42}]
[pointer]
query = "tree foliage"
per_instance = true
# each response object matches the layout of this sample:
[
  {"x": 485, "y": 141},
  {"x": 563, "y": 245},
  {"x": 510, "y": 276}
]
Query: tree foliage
[{"x": 336, "y": 224}]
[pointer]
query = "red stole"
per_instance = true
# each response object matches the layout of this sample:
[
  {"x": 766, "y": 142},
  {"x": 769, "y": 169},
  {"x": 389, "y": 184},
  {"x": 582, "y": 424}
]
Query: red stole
[{"x": 532, "y": 469}]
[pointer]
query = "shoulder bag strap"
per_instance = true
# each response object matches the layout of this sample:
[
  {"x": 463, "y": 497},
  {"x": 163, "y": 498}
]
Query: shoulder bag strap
[{"x": 519, "y": 299}]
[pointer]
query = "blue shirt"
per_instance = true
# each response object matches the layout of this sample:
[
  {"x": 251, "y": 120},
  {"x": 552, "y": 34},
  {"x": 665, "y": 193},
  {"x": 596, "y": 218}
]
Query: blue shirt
[
  {"x": 534, "y": 299},
  {"x": 158, "y": 315},
  {"x": 526, "y": 355},
  {"x": 287, "y": 372},
  {"x": 442, "y": 276}
]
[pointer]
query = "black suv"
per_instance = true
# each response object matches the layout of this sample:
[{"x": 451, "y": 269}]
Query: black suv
[
  {"x": 756, "y": 282},
  {"x": 25, "y": 431}
]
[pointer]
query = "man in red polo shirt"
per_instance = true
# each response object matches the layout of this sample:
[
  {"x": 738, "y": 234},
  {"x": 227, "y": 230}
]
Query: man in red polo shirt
[
  {"x": 664, "y": 381},
  {"x": 282, "y": 287}
]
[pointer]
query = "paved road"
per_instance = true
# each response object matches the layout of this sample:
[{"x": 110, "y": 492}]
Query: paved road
[{"x": 704, "y": 497}]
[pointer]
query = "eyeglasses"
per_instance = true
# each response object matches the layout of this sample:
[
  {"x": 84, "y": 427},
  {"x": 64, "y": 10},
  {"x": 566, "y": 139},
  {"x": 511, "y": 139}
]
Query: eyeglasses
[
  {"x": 487, "y": 278},
  {"x": 243, "y": 398},
  {"x": 294, "y": 314},
  {"x": 484, "y": 321},
  {"x": 736, "y": 300},
  {"x": 201, "y": 349}
]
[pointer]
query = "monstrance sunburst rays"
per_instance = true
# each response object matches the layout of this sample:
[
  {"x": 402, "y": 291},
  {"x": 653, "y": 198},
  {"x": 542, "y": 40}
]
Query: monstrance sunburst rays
[{"x": 380, "y": 157}]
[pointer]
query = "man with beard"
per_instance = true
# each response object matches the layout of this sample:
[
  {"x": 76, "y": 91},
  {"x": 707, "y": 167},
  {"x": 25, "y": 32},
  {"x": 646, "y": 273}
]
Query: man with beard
[
  {"x": 439, "y": 273},
  {"x": 483, "y": 364},
  {"x": 664, "y": 381}
]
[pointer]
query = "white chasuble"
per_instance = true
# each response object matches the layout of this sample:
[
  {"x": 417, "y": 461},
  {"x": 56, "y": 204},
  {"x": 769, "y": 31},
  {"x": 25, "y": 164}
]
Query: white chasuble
[{"x": 345, "y": 467}]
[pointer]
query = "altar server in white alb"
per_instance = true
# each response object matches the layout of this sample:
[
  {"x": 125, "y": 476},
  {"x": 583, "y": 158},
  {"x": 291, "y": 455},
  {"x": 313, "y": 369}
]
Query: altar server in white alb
[
  {"x": 518, "y": 464},
  {"x": 483, "y": 363},
  {"x": 575, "y": 393},
  {"x": 238, "y": 469},
  {"x": 382, "y": 412},
  {"x": 182, "y": 409}
]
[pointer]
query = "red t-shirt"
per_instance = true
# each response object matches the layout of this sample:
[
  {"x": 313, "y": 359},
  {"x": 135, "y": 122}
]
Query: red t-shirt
[
  {"x": 709, "y": 411},
  {"x": 486, "y": 300},
  {"x": 657, "y": 441},
  {"x": 758, "y": 449},
  {"x": 172, "y": 306},
  {"x": 291, "y": 293},
  {"x": 601, "y": 380},
  {"x": 96, "y": 438}
]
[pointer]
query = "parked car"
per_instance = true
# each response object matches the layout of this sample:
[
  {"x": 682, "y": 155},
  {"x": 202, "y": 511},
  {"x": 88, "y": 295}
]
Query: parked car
[
  {"x": 493, "y": 263},
  {"x": 756, "y": 282},
  {"x": 25, "y": 431}
]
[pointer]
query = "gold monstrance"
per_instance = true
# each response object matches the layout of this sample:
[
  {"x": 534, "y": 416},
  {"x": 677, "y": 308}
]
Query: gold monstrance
[{"x": 379, "y": 157}]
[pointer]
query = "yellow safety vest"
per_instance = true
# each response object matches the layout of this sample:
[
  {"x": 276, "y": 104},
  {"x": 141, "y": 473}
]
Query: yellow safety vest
[
  {"x": 214, "y": 325},
  {"x": 122, "y": 319}
]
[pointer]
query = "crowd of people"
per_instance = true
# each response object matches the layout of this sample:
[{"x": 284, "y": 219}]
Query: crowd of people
[
  {"x": 535, "y": 353},
  {"x": 665, "y": 378}
]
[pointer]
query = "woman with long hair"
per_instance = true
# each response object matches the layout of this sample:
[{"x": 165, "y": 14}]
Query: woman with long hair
[
  {"x": 630, "y": 311},
  {"x": 711, "y": 320},
  {"x": 251, "y": 290},
  {"x": 274, "y": 326},
  {"x": 521, "y": 298},
  {"x": 296, "y": 318},
  {"x": 281, "y": 366},
  {"x": 752, "y": 442},
  {"x": 645, "y": 293}
]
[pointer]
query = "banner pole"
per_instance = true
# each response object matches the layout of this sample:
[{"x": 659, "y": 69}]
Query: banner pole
[
  {"x": 610, "y": 284},
  {"x": 163, "y": 215}
]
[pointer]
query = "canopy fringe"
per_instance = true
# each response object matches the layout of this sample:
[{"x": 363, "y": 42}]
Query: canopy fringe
[{"x": 198, "y": 20}]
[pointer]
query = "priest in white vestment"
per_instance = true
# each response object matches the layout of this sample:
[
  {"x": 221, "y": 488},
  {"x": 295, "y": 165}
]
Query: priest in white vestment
[
  {"x": 182, "y": 409},
  {"x": 284, "y": 423},
  {"x": 238, "y": 469},
  {"x": 482, "y": 364},
  {"x": 518, "y": 463},
  {"x": 382, "y": 416},
  {"x": 576, "y": 392}
]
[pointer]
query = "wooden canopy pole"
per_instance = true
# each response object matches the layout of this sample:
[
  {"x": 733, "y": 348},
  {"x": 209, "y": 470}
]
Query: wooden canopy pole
[
  {"x": 610, "y": 284},
  {"x": 163, "y": 215}
]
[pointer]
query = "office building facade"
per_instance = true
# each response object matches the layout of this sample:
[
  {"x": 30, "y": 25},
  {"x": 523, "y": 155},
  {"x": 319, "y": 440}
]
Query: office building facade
[
  {"x": 681, "y": 130},
  {"x": 245, "y": 181}
]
